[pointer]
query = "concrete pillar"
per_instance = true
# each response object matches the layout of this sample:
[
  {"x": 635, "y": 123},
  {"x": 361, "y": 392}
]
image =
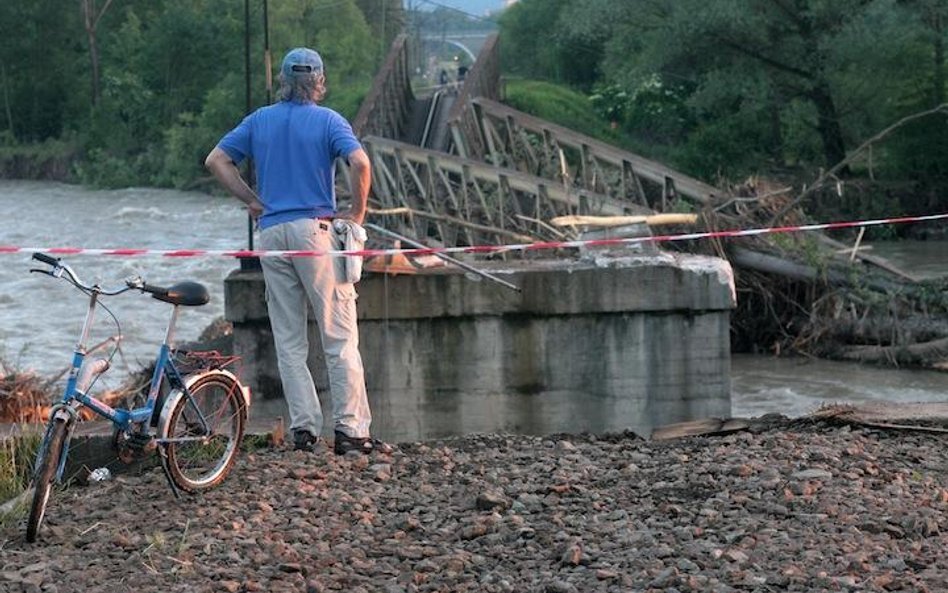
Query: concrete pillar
[{"x": 606, "y": 345}]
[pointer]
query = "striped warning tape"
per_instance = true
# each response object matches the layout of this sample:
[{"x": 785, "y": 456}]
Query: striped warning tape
[{"x": 131, "y": 252}]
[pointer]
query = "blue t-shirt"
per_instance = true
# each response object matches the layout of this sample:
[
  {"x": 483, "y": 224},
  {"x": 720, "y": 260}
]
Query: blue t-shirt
[{"x": 293, "y": 146}]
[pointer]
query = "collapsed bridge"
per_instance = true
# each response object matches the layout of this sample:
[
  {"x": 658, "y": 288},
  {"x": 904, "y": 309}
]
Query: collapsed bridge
[
  {"x": 602, "y": 342},
  {"x": 461, "y": 168}
]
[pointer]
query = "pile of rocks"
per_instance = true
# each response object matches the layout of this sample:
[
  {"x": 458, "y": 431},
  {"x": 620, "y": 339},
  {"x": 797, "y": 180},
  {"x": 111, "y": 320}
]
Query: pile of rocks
[{"x": 798, "y": 505}]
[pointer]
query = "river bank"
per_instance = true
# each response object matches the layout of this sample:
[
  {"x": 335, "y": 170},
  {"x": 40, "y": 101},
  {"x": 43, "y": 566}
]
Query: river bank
[{"x": 795, "y": 505}]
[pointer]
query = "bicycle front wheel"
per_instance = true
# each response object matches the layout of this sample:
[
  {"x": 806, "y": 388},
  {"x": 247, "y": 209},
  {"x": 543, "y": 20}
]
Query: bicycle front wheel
[
  {"x": 204, "y": 432},
  {"x": 50, "y": 453}
]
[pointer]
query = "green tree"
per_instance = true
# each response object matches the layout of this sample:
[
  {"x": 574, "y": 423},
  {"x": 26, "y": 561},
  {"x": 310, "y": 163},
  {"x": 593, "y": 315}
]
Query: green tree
[
  {"x": 38, "y": 67},
  {"x": 92, "y": 14},
  {"x": 386, "y": 19},
  {"x": 167, "y": 79},
  {"x": 344, "y": 41},
  {"x": 758, "y": 61},
  {"x": 933, "y": 15},
  {"x": 536, "y": 44},
  {"x": 335, "y": 28}
]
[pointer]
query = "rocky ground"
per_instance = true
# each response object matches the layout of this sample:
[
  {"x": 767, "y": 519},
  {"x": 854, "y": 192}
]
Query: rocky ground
[{"x": 787, "y": 505}]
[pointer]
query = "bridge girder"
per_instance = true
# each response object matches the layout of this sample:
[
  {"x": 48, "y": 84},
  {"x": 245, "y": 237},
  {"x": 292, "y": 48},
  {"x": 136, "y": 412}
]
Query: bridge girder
[
  {"x": 514, "y": 139},
  {"x": 456, "y": 201},
  {"x": 512, "y": 171}
]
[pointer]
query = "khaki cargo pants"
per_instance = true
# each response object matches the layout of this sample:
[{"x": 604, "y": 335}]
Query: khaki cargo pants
[{"x": 291, "y": 282}]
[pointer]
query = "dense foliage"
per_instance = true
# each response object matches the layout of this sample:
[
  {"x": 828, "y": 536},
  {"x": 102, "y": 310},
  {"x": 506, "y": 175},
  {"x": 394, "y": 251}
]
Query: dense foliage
[
  {"x": 141, "y": 91},
  {"x": 730, "y": 88}
]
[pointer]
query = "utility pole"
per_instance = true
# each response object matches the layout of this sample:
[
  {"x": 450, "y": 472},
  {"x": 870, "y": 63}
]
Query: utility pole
[
  {"x": 249, "y": 108},
  {"x": 384, "y": 4},
  {"x": 267, "y": 58}
]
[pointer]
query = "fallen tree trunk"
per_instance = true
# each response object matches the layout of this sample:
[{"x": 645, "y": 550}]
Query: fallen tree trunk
[
  {"x": 772, "y": 264},
  {"x": 862, "y": 314},
  {"x": 927, "y": 354},
  {"x": 886, "y": 331}
]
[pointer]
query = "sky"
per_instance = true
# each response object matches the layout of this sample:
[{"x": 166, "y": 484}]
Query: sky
[{"x": 475, "y": 7}]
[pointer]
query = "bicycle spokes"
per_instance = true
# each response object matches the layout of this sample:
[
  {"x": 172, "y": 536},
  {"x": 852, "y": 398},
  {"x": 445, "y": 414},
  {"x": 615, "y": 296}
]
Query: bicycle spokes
[{"x": 204, "y": 432}]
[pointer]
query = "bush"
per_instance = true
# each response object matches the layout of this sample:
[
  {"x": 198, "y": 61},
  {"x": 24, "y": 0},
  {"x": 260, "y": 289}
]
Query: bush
[{"x": 560, "y": 105}]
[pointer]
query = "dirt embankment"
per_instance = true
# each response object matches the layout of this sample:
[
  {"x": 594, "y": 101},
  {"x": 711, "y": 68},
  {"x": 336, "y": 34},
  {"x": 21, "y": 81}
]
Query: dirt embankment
[
  {"x": 800, "y": 505},
  {"x": 39, "y": 167}
]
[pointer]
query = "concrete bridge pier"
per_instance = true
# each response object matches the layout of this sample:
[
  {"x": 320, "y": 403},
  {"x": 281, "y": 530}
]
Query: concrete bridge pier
[{"x": 603, "y": 344}]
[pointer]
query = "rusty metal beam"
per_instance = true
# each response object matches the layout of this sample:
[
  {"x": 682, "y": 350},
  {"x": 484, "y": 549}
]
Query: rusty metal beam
[
  {"x": 597, "y": 165},
  {"x": 483, "y": 80},
  {"x": 496, "y": 200},
  {"x": 386, "y": 110}
]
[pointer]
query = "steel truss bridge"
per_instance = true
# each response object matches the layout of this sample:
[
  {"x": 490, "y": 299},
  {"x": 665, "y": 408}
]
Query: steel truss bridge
[{"x": 458, "y": 167}]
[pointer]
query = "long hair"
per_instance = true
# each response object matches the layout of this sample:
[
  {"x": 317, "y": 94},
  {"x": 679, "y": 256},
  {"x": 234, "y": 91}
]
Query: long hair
[{"x": 303, "y": 88}]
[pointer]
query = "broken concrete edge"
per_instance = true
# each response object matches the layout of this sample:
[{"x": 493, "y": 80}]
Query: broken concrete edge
[{"x": 665, "y": 283}]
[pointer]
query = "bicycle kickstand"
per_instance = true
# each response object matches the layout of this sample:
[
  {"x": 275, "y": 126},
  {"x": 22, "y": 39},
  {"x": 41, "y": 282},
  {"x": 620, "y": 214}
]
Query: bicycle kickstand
[{"x": 163, "y": 454}]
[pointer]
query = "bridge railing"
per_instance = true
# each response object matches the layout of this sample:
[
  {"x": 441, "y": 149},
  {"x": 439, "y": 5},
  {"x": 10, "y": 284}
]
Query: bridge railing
[
  {"x": 483, "y": 80},
  {"x": 456, "y": 201},
  {"x": 386, "y": 110},
  {"x": 510, "y": 138}
]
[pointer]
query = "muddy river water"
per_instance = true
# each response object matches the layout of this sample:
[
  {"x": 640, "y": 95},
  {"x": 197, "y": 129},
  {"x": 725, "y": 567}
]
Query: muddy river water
[{"x": 40, "y": 317}]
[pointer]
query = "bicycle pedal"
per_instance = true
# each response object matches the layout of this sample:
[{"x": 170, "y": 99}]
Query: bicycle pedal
[
  {"x": 142, "y": 443},
  {"x": 126, "y": 455}
]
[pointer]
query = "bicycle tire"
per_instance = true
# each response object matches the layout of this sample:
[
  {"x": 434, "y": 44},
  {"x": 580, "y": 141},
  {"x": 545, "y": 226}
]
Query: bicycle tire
[
  {"x": 43, "y": 482},
  {"x": 202, "y": 464}
]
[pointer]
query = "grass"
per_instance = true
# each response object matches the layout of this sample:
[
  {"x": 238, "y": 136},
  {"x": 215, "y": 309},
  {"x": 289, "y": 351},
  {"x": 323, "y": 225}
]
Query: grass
[
  {"x": 572, "y": 109},
  {"x": 560, "y": 105},
  {"x": 16, "y": 464}
]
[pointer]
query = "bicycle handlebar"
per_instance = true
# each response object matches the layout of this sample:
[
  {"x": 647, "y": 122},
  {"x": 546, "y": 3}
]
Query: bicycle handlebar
[
  {"x": 46, "y": 259},
  {"x": 61, "y": 269}
]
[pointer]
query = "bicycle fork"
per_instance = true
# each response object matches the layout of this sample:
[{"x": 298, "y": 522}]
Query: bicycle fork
[{"x": 68, "y": 415}]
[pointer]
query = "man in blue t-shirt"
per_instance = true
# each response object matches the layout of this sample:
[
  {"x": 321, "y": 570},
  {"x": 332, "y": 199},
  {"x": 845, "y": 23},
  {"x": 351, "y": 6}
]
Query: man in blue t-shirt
[{"x": 293, "y": 144}]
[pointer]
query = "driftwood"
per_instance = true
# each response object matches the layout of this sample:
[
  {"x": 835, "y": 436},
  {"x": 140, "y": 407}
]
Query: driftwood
[
  {"x": 929, "y": 418},
  {"x": 923, "y": 354},
  {"x": 918, "y": 416},
  {"x": 772, "y": 264},
  {"x": 611, "y": 221},
  {"x": 848, "y": 323},
  {"x": 913, "y": 328},
  {"x": 870, "y": 259},
  {"x": 704, "y": 427},
  {"x": 866, "y": 146}
]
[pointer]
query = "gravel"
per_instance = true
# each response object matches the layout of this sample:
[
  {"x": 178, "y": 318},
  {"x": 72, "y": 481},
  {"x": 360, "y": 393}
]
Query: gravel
[{"x": 788, "y": 505}]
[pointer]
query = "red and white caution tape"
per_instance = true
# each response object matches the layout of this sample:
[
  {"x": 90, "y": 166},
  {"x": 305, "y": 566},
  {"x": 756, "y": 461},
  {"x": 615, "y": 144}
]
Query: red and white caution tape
[{"x": 8, "y": 249}]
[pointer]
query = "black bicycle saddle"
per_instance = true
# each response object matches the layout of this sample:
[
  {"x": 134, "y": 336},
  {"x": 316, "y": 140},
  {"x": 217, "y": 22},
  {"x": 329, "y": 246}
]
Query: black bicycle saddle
[{"x": 189, "y": 294}]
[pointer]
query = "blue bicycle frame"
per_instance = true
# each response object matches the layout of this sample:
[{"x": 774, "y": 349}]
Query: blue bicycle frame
[
  {"x": 82, "y": 376},
  {"x": 165, "y": 410}
]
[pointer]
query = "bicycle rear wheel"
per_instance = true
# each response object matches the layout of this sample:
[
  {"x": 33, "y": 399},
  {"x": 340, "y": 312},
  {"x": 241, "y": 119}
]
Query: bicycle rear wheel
[
  {"x": 204, "y": 432},
  {"x": 50, "y": 452}
]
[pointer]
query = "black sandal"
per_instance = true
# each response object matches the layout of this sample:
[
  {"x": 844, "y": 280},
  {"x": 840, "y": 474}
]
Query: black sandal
[
  {"x": 345, "y": 443},
  {"x": 303, "y": 440}
]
